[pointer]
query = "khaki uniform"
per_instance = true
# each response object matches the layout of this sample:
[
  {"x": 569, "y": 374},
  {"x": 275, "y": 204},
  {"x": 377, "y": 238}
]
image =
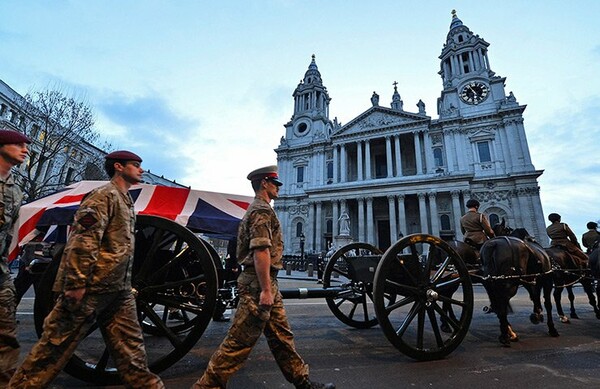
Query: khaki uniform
[
  {"x": 10, "y": 203},
  {"x": 562, "y": 235},
  {"x": 589, "y": 239},
  {"x": 259, "y": 228},
  {"x": 98, "y": 256},
  {"x": 476, "y": 227}
]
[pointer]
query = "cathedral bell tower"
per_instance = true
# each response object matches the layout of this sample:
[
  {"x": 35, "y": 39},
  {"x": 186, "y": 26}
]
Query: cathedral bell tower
[
  {"x": 470, "y": 86},
  {"x": 311, "y": 109}
]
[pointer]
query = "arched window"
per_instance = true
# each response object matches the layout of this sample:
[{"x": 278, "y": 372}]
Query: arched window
[
  {"x": 445, "y": 222},
  {"x": 299, "y": 229},
  {"x": 329, "y": 227},
  {"x": 494, "y": 219},
  {"x": 438, "y": 157}
]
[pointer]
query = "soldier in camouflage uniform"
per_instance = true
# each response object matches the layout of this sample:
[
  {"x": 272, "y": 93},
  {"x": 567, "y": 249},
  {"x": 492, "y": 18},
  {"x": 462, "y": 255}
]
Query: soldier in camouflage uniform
[
  {"x": 13, "y": 151},
  {"x": 94, "y": 285},
  {"x": 260, "y": 309}
]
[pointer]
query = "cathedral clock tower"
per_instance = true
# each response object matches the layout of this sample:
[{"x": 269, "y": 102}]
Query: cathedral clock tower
[
  {"x": 311, "y": 109},
  {"x": 470, "y": 86}
]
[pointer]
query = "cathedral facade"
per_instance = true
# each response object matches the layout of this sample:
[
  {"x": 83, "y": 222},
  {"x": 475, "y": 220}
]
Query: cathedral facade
[{"x": 389, "y": 172}]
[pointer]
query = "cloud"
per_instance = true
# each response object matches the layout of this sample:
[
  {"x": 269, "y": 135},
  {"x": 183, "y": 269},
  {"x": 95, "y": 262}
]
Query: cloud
[
  {"x": 152, "y": 128},
  {"x": 567, "y": 149}
]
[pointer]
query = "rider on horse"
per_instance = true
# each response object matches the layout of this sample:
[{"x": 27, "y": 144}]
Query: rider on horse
[
  {"x": 591, "y": 237},
  {"x": 475, "y": 226},
  {"x": 563, "y": 236}
]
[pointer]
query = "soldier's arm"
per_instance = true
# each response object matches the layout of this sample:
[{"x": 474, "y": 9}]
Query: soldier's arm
[
  {"x": 260, "y": 243},
  {"x": 262, "y": 265},
  {"x": 83, "y": 248},
  {"x": 486, "y": 227},
  {"x": 571, "y": 235}
]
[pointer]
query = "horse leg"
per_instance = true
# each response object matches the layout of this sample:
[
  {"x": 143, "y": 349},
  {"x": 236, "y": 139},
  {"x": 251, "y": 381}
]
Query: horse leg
[
  {"x": 557, "y": 296},
  {"x": 537, "y": 316},
  {"x": 589, "y": 290},
  {"x": 546, "y": 280},
  {"x": 572, "y": 302}
]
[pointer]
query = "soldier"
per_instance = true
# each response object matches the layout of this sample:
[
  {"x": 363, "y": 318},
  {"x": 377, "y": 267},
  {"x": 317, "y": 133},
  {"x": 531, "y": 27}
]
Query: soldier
[
  {"x": 475, "y": 226},
  {"x": 94, "y": 286},
  {"x": 562, "y": 235},
  {"x": 260, "y": 309},
  {"x": 13, "y": 151},
  {"x": 591, "y": 237}
]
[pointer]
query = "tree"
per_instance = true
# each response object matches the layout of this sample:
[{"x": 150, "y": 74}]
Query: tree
[{"x": 63, "y": 136}]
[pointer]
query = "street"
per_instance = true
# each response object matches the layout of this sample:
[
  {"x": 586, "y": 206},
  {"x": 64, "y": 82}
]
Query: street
[{"x": 365, "y": 359}]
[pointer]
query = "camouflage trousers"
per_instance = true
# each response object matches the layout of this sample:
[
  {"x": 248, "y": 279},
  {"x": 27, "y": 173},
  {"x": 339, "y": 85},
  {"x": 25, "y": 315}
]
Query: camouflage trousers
[
  {"x": 249, "y": 322},
  {"x": 9, "y": 346},
  {"x": 68, "y": 324}
]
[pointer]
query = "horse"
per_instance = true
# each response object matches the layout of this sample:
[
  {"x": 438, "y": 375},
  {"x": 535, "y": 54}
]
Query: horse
[
  {"x": 567, "y": 271},
  {"x": 594, "y": 264},
  {"x": 508, "y": 262}
]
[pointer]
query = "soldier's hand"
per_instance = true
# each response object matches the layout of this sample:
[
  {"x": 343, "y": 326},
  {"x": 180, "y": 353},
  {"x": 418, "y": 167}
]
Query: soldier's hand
[
  {"x": 75, "y": 295},
  {"x": 266, "y": 299}
]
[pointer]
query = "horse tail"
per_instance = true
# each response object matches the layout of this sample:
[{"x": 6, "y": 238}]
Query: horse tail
[{"x": 488, "y": 256}]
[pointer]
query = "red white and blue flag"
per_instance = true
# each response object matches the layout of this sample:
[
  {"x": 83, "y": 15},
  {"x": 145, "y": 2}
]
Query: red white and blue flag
[{"x": 216, "y": 214}]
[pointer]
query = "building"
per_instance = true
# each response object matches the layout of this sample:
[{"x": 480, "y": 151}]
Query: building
[
  {"x": 78, "y": 160},
  {"x": 389, "y": 172}
]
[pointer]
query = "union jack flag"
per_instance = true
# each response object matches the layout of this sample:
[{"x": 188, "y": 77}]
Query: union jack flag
[{"x": 216, "y": 214}]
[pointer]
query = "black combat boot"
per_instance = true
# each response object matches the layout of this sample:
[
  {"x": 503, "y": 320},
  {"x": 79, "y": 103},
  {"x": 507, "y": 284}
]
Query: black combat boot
[{"x": 308, "y": 384}]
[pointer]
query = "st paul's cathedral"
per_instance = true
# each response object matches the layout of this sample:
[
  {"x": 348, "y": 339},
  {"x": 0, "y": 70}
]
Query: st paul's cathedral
[{"x": 390, "y": 172}]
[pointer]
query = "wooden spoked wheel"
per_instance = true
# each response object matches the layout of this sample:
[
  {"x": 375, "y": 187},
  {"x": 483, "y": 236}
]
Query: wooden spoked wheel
[
  {"x": 434, "y": 297},
  {"x": 353, "y": 267},
  {"x": 173, "y": 271}
]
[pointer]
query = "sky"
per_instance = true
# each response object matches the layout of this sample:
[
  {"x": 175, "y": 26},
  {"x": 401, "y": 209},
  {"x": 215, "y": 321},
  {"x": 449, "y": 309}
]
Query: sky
[{"x": 202, "y": 89}]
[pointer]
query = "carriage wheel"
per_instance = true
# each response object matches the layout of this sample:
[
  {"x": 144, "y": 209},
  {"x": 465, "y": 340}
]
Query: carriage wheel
[
  {"x": 172, "y": 271},
  {"x": 353, "y": 307},
  {"x": 433, "y": 288}
]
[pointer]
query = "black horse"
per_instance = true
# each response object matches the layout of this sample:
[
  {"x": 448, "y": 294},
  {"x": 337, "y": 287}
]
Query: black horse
[
  {"x": 594, "y": 264},
  {"x": 509, "y": 262},
  {"x": 567, "y": 271}
]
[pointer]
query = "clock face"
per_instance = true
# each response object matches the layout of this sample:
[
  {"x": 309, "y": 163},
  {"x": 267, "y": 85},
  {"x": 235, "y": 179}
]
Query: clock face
[{"x": 474, "y": 92}]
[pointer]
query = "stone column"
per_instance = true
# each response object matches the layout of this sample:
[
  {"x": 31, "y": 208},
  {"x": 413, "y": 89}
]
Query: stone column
[
  {"x": 429, "y": 164},
  {"x": 343, "y": 163},
  {"x": 310, "y": 230},
  {"x": 402, "y": 215},
  {"x": 336, "y": 215},
  {"x": 370, "y": 227},
  {"x": 423, "y": 213},
  {"x": 398, "y": 156},
  {"x": 361, "y": 219},
  {"x": 359, "y": 158},
  {"x": 388, "y": 154},
  {"x": 392, "y": 215},
  {"x": 449, "y": 135},
  {"x": 318, "y": 226},
  {"x": 335, "y": 164},
  {"x": 368, "y": 159},
  {"x": 435, "y": 220},
  {"x": 418, "y": 158},
  {"x": 456, "y": 212}
]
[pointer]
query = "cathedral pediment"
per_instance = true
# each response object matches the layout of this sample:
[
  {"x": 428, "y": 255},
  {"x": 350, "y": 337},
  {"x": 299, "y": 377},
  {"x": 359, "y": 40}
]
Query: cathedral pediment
[{"x": 378, "y": 117}]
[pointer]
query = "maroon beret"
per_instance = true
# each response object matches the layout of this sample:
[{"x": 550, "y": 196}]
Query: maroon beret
[
  {"x": 8, "y": 137},
  {"x": 123, "y": 155}
]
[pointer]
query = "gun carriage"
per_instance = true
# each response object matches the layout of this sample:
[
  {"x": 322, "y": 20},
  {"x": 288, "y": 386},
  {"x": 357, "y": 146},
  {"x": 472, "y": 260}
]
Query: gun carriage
[{"x": 422, "y": 300}]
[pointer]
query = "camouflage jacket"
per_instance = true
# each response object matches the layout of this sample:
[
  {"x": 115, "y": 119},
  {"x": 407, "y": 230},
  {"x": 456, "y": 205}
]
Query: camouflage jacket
[
  {"x": 260, "y": 228},
  {"x": 99, "y": 252},
  {"x": 10, "y": 203}
]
